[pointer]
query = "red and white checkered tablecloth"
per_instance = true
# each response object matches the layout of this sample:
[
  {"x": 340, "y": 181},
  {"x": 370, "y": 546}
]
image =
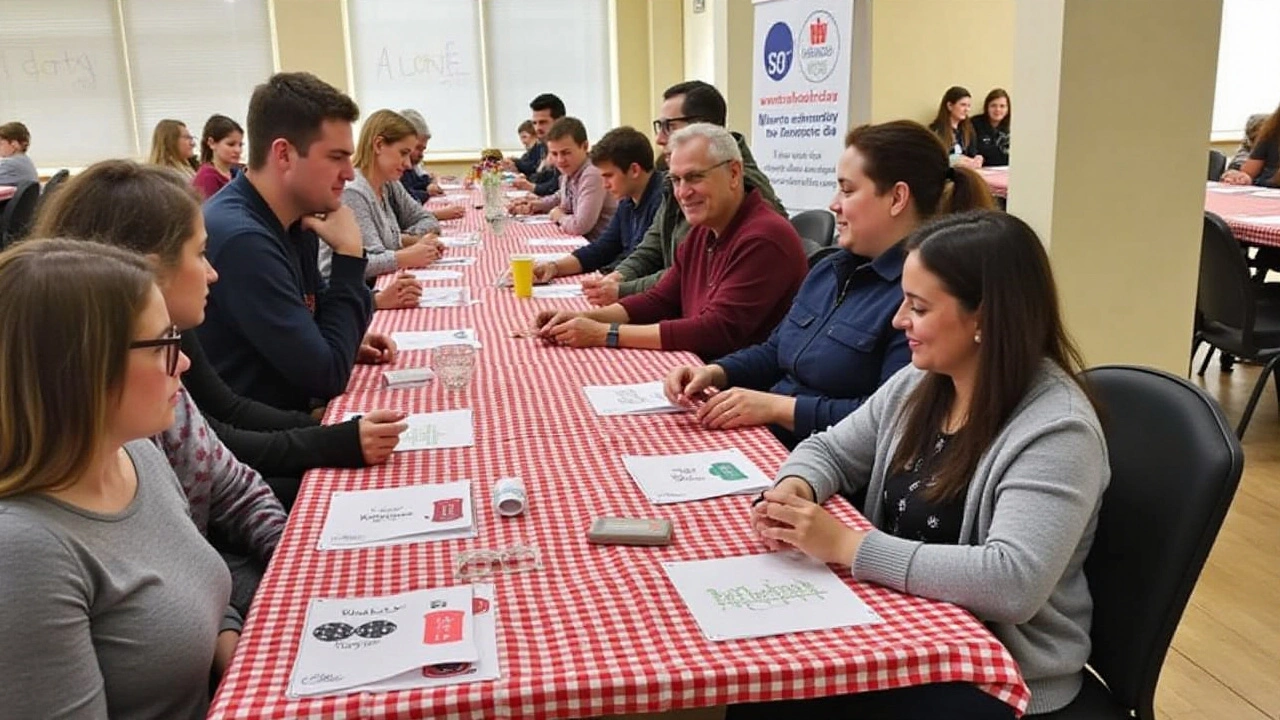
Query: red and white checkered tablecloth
[
  {"x": 7, "y": 191},
  {"x": 599, "y": 630},
  {"x": 1237, "y": 209}
]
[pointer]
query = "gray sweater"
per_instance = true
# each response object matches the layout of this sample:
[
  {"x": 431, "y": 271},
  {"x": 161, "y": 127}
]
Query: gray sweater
[
  {"x": 108, "y": 614},
  {"x": 1029, "y": 520},
  {"x": 17, "y": 168},
  {"x": 381, "y": 222}
]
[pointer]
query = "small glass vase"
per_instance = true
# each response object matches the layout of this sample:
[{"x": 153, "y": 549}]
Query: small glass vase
[{"x": 495, "y": 205}]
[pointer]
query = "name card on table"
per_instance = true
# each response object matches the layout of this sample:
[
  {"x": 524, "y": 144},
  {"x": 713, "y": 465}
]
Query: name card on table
[
  {"x": 454, "y": 262},
  {"x": 571, "y": 241},
  {"x": 434, "y": 431},
  {"x": 641, "y": 399},
  {"x": 438, "y": 297},
  {"x": 430, "y": 339},
  {"x": 558, "y": 292},
  {"x": 695, "y": 476},
  {"x": 460, "y": 241},
  {"x": 431, "y": 275},
  {"x": 351, "y": 642},
  {"x": 394, "y": 516},
  {"x": 754, "y": 596}
]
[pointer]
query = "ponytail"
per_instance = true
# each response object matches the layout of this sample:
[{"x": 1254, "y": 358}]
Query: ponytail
[{"x": 967, "y": 191}]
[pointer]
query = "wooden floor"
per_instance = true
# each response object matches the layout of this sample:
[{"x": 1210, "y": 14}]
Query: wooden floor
[{"x": 1225, "y": 659}]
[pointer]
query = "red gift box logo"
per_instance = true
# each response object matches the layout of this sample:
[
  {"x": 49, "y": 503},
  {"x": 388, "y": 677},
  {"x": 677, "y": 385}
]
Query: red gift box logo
[
  {"x": 447, "y": 510},
  {"x": 442, "y": 626}
]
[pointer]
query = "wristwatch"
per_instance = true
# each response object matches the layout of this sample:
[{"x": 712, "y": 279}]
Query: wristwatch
[{"x": 611, "y": 340}]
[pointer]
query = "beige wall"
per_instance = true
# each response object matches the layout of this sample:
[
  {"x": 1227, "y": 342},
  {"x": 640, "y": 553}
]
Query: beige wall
[
  {"x": 919, "y": 48},
  {"x": 310, "y": 36},
  {"x": 717, "y": 49}
]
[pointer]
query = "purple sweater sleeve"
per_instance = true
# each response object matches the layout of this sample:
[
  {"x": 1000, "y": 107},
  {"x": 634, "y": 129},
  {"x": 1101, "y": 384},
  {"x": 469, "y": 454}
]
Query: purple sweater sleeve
[{"x": 588, "y": 203}]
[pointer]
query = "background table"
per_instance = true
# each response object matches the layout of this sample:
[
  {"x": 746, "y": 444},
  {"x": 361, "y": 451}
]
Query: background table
[
  {"x": 7, "y": 191},
  {"x": 599, "y": 630}
]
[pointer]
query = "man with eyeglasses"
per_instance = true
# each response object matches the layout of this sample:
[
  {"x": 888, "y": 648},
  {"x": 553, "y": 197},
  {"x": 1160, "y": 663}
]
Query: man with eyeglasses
[
  {"x": 682, "y": 105},
  {"x": 732, "y": 279}
]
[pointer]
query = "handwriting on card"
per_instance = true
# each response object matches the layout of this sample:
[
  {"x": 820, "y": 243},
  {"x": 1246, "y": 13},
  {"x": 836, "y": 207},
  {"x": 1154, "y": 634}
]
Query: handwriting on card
[{"x": 767, "y": 596}]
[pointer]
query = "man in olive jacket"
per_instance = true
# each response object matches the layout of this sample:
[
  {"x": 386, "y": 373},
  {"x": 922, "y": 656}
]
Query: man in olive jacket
[{"x": 682, "y": 104}]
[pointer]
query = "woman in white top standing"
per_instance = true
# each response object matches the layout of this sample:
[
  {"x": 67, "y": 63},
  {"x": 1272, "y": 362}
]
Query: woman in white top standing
[{"x": 15, "y": 166}]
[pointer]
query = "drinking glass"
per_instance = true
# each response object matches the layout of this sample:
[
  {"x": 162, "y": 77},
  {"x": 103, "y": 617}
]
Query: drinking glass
[{"x": 454, "y": 365}]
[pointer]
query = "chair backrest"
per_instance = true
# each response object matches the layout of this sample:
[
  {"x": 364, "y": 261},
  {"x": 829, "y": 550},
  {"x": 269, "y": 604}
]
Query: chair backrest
[
  {"x": 1225, "y": 294},
  {"x": 51, "y": 187},
  {"x": 1175, "y": 465},
  {"x": 18, "y": 212},
  {"x": 816, "y": 225},
  {"x": 1217, "y": 164}
]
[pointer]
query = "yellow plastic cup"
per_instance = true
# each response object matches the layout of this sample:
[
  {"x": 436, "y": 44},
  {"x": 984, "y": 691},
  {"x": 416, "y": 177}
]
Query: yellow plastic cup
[{"x": 522, "y": 275}]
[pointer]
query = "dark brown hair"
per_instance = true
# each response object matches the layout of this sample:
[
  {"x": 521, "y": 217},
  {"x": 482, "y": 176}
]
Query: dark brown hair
[
  {"x": 568, "y": 127},
  {"x": 1008, "y": 116},
  {"x": 994, "y": 265},
  {"x": 293, "y": 106},
  {"x": 942, "y": 120},
  {"x": 144, "y": 208},
  {"x": 1270, "y": 133},
  {"x": 904, "y": 151},
  {"x": 216, "y": 128},
  {"x": 622, "y": 147},
  {"x": 16, "y": 132},
  {"x": 526, "y": 127}
]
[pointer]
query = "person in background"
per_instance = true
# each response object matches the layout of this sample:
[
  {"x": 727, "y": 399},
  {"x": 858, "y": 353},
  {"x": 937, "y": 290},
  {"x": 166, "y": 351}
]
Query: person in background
[
  {"x": 15, "y": 166},
  {"x": 172, "y": 146},
  {"x": 528, "y": 135},
  {"x": 540, "y": 175},
  {"x": 984, "y": 467},
  {"x": 581, "y": 206},
  {"x": 683, "y": 104},
  {"x": 275, "y": 331},
  {"x": 280, "y": 445},
  {"x": 953, "y": 128},
  {"x": 221, "y": 143},
  {"x": 114, "y": 600},
  {"x": 733, "y": 277},
  {"x": 1251, "y": 128},
  {"x": 837, "y": 343},
  {"x": 1263, "y": 165},
  {"x": 416, "y": 180},
  {"x": 991, "y": 129},
  {"x": 624, "y": 158}
]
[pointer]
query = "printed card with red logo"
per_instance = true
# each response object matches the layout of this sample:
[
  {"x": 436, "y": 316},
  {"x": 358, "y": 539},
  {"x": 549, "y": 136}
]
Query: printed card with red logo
[{"x": 395, "y": 516}]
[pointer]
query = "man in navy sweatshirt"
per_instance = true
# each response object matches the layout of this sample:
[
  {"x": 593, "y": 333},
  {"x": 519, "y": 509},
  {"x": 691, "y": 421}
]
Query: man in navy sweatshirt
[{"x": 273, "y": 331}]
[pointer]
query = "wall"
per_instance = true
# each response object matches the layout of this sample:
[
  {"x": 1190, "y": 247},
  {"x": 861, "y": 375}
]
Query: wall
[{"x": 717, "y": 49}]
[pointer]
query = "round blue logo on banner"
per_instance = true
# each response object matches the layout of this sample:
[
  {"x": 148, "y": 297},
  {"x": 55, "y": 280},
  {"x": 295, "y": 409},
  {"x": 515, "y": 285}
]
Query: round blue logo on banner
[{"x": 779, "y": 49}]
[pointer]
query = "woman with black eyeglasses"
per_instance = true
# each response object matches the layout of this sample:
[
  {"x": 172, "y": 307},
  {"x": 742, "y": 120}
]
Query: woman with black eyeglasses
[{"x": 113, "y": 600}]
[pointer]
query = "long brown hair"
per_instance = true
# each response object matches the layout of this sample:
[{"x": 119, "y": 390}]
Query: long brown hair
[
  {"x": 994, "y": 265},
  {"x": 904, "y": 151},
  {"x": 164, "y": 147},
  {"x": 68, "y": 309},
  {"x": 143, "y": 208},
  {"x": 942, "y": 120},
  {"x": 389, "y": 125},
  {"x": 216, "y": 128},
  {"x": 1007, "y": 121}
]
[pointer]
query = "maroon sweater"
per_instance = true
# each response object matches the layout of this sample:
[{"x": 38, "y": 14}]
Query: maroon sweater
[{"x": 725, "y": 293}]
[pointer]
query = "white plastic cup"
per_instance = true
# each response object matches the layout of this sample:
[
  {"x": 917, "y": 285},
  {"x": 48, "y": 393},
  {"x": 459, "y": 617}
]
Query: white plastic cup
[{"x": 509, "y": 496}]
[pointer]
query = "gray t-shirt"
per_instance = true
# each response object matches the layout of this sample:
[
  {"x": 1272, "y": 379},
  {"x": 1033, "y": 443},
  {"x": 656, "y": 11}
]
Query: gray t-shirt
[
  {"x": 1269, "y": 154},
  {"x": 108, "y": 615},
  {"x": 17, "y": 168}
]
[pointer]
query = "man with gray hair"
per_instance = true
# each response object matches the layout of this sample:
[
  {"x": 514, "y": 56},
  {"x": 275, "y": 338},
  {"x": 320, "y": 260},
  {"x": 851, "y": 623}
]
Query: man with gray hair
[
  {"x": 732, "y": 279},
  {"x": 415, "y": 179}
]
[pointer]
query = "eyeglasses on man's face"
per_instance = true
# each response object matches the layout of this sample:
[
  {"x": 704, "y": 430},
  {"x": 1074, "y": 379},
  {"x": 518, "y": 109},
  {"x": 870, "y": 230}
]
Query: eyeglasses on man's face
[
  {"x": 666, "y": 126},
  {"x": 171, "y": 341},
  {"x": 694, "y": 178}
]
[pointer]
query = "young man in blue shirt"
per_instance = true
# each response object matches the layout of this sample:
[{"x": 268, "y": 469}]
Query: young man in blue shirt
[
  {"x": 541, "y": 178},
  {"x": 624, "y": 158},
  {"x": 273, "y": 330}
]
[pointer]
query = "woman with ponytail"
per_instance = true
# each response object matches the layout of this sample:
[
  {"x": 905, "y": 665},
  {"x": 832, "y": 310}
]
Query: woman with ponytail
[{"x": 837, "y": 343}]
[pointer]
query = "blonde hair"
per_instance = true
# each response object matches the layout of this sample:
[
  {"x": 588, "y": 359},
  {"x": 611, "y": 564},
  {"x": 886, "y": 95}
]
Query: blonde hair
[
  {"x": 68, "y": 309},
  {"x": 164, "y": 147},
  {"x": 389, "y": 125}
]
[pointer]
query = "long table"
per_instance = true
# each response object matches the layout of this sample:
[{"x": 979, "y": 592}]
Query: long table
[
  {"x": 599, "y": 630},
  {"x": 1252, "y": 213}
]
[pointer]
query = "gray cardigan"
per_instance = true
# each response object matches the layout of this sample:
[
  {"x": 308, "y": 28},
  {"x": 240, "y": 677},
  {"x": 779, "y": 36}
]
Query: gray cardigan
[
  {"x": 381, "y": 223},
  {"x": 1029, "y": 520}
]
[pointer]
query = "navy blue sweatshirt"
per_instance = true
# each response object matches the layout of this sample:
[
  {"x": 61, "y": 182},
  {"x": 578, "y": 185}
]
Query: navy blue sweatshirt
[
  {"x": 625, "y": 230},
  {"x": 272, "y": 330},
  {"x": 836, "y": 345}
]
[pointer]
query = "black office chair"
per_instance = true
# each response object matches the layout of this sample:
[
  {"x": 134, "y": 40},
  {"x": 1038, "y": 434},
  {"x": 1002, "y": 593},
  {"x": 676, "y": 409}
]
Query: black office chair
[
  {"x": 1229, "y": 315},
  {"x": 1175, "y": 466},
  {"x": 51, "y": 187},
  {"x": 18, "y": 213},
  {"x": 816, "y": 225},
  {"x": 1217, "y": 165}
]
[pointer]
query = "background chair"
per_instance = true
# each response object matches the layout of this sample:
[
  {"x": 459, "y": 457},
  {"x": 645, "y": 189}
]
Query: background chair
[
  {"x": 816, "y": 225},
  {"x": 1175, "y": 466},
  {"x": 1230, "y": 317},
  {"x": 18, "y": 212},
  {"x": 1217, "y": 164},
  {"x": 51, "y": 187}
]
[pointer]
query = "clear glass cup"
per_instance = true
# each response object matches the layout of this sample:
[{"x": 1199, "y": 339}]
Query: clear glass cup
[{"x": 454, "y": 365}]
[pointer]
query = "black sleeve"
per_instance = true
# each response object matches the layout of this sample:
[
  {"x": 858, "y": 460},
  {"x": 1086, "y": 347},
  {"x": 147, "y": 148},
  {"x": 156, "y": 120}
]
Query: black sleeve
[
  {"x": 219, "y": 402},
  {"x": 289, "y": 453}
]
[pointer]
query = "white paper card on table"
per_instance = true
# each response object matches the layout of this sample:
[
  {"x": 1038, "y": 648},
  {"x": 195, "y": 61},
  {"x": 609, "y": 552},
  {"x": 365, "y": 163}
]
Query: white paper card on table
[
  {"x": 1269, "y": 193},
  {"x": 1258, "y": 219},
  {"x": 438, "y": 297},
  {"x": 571, "y": 241},
  {"x": 351, "y": 642},
  {"x": 407, "y": 378},
  {"x": 428, "y": 339},
  {"x": 640, "y": 399},
  {"x": 517, "y": 193},
  {"x": 1226, "y": 189},
  {"x": 459, "y": 241},
  {"x": 695, "y": 476},
  {"x": 369, "y": 518},
  {"x": 429, "y": 275},
  {"x": 434, "y": 431},
  {"x": 560, "y": 291},
  {"x": 455, "y": 197},
  {"x": 752, "y": 596},
  {"x": 487, "y": 667},
  {"x": 454, "y": 262},
  {"x": 534, "y": 220},
  {"x": 546, "y": 257}
]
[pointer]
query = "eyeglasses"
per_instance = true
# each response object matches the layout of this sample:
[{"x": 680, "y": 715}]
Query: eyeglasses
[
  {"x": 172, "y": 344},
  {"x": 663, "y": 125},
  {"x": 694, "y": 178},
  {"x": 477, "y": 564}
]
